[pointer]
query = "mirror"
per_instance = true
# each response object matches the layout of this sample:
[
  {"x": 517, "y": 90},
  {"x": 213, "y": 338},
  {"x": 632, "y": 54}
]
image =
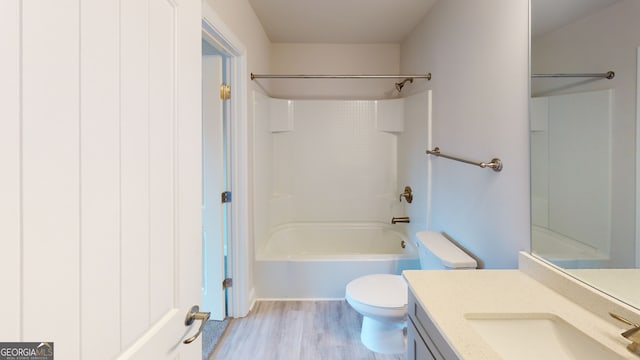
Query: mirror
[{"x": 584, "y": 141}]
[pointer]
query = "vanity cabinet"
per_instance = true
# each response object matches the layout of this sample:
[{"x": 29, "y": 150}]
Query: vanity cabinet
[{"x": 424, "y": 341}]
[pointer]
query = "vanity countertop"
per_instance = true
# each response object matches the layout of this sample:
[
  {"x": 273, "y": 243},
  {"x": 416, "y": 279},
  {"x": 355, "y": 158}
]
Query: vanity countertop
[{"x": 448, "y": 295}]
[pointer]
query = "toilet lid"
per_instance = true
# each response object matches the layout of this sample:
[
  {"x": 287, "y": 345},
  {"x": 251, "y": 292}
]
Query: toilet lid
[{"x": 380, "y": 290}]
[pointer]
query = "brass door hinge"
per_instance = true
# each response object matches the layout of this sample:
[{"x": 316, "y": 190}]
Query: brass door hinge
[{"x": 225, "y": 91}]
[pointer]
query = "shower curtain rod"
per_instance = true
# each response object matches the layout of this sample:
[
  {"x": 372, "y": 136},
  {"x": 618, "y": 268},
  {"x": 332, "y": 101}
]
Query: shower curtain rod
[
  {"x": 270, "y": 76},
  {"x": 608, "y": 75}
]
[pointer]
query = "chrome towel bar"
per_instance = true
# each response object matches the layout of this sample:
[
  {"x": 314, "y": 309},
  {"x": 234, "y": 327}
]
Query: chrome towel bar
[
  {"x": 495, "y": 164},
  {"x": 608, "y": 75},
  {"x": 301, "y": 76}
]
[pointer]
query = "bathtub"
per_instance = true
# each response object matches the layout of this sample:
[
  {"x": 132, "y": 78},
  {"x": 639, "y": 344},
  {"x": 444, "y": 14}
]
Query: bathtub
[
  {"x": 564, "y": 251},
  {"x": 317, "y": 260}
]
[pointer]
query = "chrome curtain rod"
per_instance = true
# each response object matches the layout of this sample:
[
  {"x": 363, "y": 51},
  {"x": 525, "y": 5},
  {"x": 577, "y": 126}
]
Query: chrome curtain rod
[
  {"x": 269, "y": 76},
  {"x": 495, "y": 164},
  {"x": 608, "y": 75}
]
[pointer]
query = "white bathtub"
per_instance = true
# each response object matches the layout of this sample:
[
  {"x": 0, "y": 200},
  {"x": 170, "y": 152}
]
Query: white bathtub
[
  {"x": 317, "y": 260},
  {"x": 564, "y": 251}
]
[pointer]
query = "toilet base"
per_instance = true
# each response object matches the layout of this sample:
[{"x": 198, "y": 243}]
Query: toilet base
[{"x": 384, "y": 337}]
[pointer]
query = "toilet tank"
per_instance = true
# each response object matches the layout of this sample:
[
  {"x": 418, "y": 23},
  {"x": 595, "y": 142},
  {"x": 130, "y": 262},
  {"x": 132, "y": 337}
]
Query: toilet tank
[{"x": 439, "y": 253}]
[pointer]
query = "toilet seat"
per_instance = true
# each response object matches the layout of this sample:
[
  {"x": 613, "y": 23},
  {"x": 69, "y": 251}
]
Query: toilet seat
[{"x": 381, "y": 291}]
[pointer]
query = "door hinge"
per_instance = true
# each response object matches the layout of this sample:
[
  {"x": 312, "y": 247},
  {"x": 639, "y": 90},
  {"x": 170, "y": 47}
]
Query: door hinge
[
  {"x": 225, "y": 197},
  {"x": 225, "y": 91},
  {"x": 227, "y": 283}
]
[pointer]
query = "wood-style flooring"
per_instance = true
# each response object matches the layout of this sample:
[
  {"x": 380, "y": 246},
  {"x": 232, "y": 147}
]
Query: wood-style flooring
[{"x": 297, "y": 330}]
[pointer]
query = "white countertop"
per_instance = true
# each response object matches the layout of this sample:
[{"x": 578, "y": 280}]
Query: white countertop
[{"x": 447, "y": 295}]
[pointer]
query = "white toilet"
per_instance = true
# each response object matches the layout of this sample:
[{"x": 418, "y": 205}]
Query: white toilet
[{"x": 382, "y": 299}]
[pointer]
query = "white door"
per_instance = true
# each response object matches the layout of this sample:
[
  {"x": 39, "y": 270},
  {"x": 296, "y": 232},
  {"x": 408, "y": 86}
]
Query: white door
[
  {"x": 100, "y": 146},
  {"x": 214, "y": 176}
]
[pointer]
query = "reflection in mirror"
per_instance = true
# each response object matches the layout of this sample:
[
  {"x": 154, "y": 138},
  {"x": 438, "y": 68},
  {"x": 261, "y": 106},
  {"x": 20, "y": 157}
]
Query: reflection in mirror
[
  {"x": 570, "y": 194},
  {"x": 583, "y": 141}
]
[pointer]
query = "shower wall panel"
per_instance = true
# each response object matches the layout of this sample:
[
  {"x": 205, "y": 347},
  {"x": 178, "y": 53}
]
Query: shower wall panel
[
  {"x": 335, "y": 165},
  {"x": 325, "y": 161},
  {"x": 262, "y": 169}
]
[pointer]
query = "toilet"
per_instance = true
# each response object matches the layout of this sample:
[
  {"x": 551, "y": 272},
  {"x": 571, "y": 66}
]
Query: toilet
[{"x": 382, "y": 299}]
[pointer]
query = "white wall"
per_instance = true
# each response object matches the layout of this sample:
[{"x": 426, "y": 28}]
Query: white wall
[
  {"x": 334, "y": 59},
  {"x": 604, "y": 41},
  {"x": 478, "y": 55}
]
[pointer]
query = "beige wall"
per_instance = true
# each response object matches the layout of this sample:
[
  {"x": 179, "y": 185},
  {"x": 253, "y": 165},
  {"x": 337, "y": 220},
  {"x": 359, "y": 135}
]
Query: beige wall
[
  {"x": 243, "y": 22},
  {"x": 478, "y": 54},
  {"x": 332, "y": 59},
  {"x": 264, "y": 57}
]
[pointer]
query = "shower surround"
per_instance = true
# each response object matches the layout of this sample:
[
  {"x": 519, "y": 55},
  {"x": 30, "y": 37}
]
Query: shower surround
[{"x": 330, "y": 166}]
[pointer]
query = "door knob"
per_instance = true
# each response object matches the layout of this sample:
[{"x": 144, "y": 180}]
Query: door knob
[{"x": 192, "y": 315}]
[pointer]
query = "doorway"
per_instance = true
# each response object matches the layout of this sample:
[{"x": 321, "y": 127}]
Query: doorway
[
  {"x": 239, "y": 297},
  {"x": 216, "y": 182}
]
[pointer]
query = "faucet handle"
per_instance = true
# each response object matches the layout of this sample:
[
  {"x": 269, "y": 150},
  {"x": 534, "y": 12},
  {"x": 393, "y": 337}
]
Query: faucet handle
[
  {"x": 407, "y": 194},
  {"x": 621, "y": 319},
  {"x": 632, "y": 334}
]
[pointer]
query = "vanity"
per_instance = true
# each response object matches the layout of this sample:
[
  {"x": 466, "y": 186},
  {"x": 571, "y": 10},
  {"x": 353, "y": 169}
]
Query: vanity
[
  {"x": 422, "y": 335},
  {"x": 535, "y": 312}
]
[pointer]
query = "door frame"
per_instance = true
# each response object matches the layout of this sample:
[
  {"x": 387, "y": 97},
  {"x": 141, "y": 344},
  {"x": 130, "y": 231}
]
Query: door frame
[
  {"x": 240, "y": 295},
  {"x": 637, "y": 208}
]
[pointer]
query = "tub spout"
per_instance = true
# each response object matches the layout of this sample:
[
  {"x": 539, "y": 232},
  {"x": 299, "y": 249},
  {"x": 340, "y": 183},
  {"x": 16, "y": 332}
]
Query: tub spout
[{"x": 401, "y": 219}]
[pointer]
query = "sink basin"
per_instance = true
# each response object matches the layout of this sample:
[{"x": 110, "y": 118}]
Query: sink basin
[{"x": 536, "y": 336}]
